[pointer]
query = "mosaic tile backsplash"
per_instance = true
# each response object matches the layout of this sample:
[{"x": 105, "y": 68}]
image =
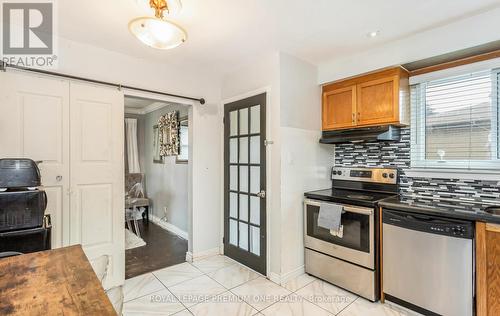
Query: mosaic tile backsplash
[{"x": 397, "y": 155}]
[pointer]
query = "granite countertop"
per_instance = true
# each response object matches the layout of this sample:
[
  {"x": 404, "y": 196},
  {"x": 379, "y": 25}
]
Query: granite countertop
[{"x": 447, "y": 208}]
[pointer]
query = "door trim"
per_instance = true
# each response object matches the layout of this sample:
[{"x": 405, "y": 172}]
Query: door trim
[
  {"x": 191, "y": 197},
  {"x": 263, "y": 97}
]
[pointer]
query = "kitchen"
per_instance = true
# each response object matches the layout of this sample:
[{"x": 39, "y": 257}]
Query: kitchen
[
  {"x": 343, "y": 157},
  {"x": 406, "y": 220}
]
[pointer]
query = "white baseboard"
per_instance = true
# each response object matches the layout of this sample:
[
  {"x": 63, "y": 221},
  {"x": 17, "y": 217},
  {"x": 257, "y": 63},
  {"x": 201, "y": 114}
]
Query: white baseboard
[
  {"x": 190, "y": 257},
  {"x": 169, "y": 226},
  {"x": 274, "y": 277},
  {"x": 281, "y": 279},
  {"x": 292, "y": 274}
]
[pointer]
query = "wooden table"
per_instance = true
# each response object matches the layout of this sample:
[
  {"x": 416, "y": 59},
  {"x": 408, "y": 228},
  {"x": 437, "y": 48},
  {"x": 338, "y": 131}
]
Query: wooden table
[{"x": 54, "y": 282}]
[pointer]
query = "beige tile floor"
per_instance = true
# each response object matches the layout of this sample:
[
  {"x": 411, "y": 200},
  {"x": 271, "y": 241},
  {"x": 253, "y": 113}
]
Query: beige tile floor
[{"x": 220, "y": 286}]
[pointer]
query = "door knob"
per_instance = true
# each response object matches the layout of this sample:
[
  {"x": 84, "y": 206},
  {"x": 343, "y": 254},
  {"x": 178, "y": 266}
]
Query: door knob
[
  {"x": 59, "y": 178},
  {"x": 262, "y": 194}
]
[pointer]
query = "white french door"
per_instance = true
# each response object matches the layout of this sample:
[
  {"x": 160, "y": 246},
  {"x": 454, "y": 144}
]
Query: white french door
[
  {"x": 34, "y": 123},
  {"x": 97, "y": 176}
]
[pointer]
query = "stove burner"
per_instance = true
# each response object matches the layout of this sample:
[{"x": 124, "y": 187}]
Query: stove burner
[{"x": 360, "y": 197}]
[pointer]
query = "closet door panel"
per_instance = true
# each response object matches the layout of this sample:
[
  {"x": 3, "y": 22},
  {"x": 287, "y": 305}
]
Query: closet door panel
[
  {"x": 34, "y": 123},
  {"x": 96, "y": 202},
  {"x": 43, "y": 130},
  {"x": 97, "y": 175},
  {"x": 96, "y": 119}
]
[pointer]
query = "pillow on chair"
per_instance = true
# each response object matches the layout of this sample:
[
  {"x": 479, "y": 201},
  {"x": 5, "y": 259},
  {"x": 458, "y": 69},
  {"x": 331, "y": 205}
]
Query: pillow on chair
[
  {"x": 134, "y": 185},
  {"x": 115, "y": 294},
  {"x": 100, "y": 266}
]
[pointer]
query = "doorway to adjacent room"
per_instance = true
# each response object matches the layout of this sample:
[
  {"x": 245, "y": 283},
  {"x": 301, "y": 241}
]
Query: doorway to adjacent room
[{"x": 156, "y": 184}]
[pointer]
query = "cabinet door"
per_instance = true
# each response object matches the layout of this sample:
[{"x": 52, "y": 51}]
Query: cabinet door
[
  {"x": 339, "y": 107},
  {"x": 487, "y": 269},
  {"x": 34, "y": 123},
  {"x": 97, "y": 175},
  {"x": 378, "y": 101}
]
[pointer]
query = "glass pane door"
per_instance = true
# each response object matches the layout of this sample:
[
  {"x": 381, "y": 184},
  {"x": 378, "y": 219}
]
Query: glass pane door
[{"x": 245, "y": 234}]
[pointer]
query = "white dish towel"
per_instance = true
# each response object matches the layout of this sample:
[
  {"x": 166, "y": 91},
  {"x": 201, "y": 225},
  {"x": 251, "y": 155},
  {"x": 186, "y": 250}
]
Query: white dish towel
[{"x": 330, "y": 216}]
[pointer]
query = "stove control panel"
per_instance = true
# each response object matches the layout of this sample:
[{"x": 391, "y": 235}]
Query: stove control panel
[{"x": 376, "y": 175}]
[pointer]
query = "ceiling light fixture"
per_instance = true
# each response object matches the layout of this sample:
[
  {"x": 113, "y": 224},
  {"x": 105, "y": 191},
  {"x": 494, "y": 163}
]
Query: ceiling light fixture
[
  {"x": 157, "y": 31},
  {"x": 173, "y": 7},
  {"x": 373, "y": 34}
]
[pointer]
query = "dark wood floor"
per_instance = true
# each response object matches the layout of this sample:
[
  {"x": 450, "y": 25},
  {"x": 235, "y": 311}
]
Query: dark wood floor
[{"x": 163, "y": 249}]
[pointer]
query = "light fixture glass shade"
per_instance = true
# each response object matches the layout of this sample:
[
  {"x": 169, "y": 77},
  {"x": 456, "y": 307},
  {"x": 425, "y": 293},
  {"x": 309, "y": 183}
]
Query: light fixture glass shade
[
  {"x": 174, "y": 7},
  {"x": 157, "y": 33}
]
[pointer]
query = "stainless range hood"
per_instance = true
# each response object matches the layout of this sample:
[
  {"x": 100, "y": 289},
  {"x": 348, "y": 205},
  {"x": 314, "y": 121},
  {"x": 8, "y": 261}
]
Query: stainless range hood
[{"x": 364, "y": 134}]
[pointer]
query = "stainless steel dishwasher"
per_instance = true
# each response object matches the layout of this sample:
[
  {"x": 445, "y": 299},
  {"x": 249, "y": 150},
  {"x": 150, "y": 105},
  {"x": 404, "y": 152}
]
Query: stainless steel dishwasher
[{"x": 428, "y": 263}]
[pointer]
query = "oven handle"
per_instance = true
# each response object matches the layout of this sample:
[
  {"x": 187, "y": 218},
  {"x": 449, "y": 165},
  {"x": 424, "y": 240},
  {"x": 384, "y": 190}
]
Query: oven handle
[{"x": 348, "y": 208}]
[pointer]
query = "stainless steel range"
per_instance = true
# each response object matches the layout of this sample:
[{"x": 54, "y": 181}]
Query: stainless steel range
[{"x": 349, "y": 260}]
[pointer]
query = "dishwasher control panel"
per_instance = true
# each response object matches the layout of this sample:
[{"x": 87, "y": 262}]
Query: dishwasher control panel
[
  {"x": 450, "y": 229},
  {"x": 429, "y": 224}
]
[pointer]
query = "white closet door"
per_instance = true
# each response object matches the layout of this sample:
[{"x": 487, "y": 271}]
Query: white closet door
[
  {"x": 97, "y": 175},
  {"x": 34, "y": 123}
]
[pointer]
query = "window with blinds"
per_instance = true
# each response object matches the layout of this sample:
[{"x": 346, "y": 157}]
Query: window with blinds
[{"x": 455, "y": 122}]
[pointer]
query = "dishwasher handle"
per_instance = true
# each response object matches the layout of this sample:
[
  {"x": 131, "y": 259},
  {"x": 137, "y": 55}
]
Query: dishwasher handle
[
  {"x": 429, "y": 224},
  {"x": 393, "y": 216}
]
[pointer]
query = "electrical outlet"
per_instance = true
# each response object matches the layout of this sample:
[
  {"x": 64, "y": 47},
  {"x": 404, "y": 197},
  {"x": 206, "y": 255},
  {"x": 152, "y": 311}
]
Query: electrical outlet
[{"x": 165, "y": 213}]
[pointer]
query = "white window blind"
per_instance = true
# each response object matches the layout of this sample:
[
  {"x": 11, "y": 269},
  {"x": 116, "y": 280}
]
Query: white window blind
[{"x": 455, "y": 122}]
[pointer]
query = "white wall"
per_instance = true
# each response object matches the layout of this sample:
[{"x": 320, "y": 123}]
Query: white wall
[
  {"x": 254, "y": 78},
  {"x": 300, "y": 94},
  {"x": 93, "y": 62},
  {"x": 167, "y": 182},
  {"x": 305, "y": 163},
  {"x": 469, "y": 32},
  {"x": 296, "y": 161}
]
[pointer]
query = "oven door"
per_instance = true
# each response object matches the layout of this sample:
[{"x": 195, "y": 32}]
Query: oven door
[{"x": 357, "y": 243}]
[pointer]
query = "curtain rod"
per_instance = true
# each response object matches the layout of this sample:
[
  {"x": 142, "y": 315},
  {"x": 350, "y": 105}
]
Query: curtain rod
[{"x": 4, "y": 66}]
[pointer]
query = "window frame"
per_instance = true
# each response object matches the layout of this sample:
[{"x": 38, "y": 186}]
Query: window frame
[
  {"x": 182, "y": 120},
  {"x": 418, "y": 128}
]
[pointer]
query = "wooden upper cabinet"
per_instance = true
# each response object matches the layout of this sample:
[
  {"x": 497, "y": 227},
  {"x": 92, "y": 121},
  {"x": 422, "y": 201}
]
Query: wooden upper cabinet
[
  {"x": 378, "y": 101},
  {"x": 339, "y": 107},
  {"x": 379, "y": 98}
]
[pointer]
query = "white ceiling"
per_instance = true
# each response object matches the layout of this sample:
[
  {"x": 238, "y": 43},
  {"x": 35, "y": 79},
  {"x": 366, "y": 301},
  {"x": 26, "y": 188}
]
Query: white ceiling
[
  {"x": 137, "y": 103},
  {"x": 134, "y": 105},
  {"x": 223, "y": 34}
]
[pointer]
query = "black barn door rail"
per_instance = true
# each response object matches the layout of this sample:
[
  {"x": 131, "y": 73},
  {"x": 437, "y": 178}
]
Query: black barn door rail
[{"x": 4, "y": 66}]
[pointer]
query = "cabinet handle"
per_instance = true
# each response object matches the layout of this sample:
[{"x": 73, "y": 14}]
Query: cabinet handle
[
  {"x": 359, "y": 115},
  {"x": 353, "y": 117}
]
